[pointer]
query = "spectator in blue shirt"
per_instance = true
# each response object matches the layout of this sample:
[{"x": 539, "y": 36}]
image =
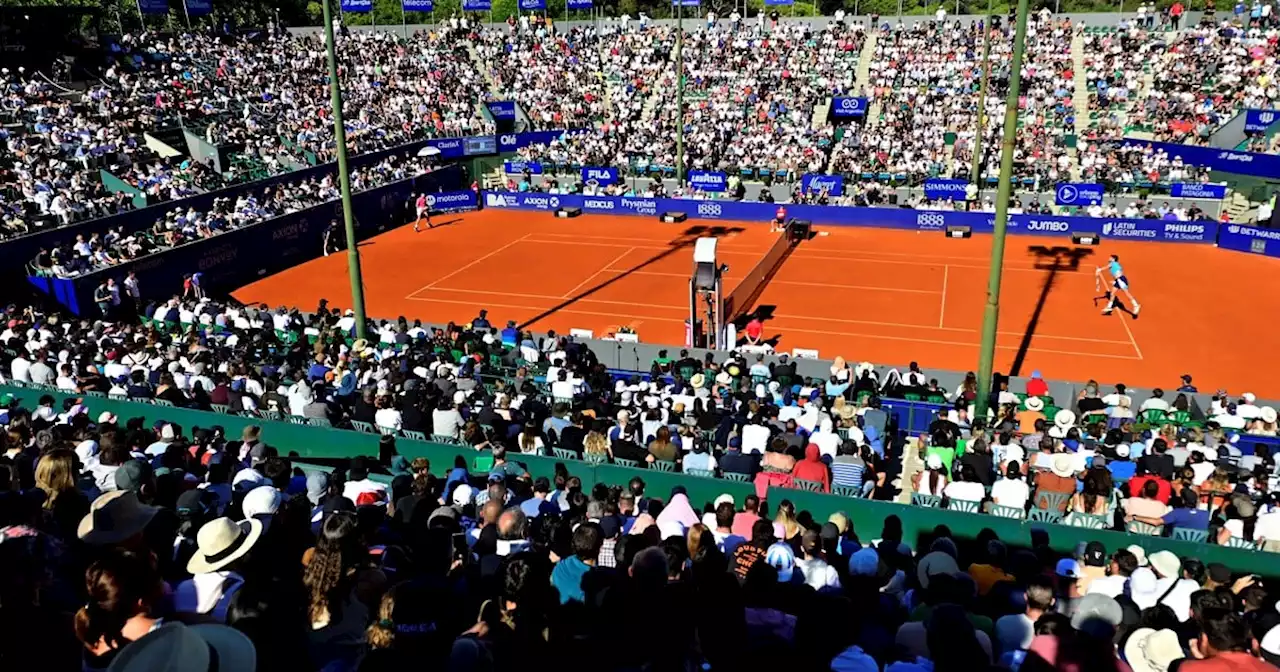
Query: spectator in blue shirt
[
  {"x": 836, "y": 387},
  {"x": 510, "y": 335},
  {"x": 1121, "y": 467},
  {"x": 318, "y": 370},
  {"x": 1188, "y": 515},
  {"x": 847, "y": 467},
  {"x": 481, "y": 322},
  {"x": 1186, "y": 386}
]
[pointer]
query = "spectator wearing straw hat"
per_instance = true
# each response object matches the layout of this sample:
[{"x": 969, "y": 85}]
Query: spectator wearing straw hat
[
  {"x": 221, "y": 544},
  {"x": 1034, "y": 413}
]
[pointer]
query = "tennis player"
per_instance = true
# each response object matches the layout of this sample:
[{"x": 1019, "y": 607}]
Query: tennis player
[
  {"x": 779, "y": 222},
  {"x": 424, "y": 210},
  {"x": 1119, "y": 283}
]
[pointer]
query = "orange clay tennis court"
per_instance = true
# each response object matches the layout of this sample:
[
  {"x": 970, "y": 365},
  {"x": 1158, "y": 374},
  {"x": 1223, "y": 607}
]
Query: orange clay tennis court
[{"x": 879, "y": 295}]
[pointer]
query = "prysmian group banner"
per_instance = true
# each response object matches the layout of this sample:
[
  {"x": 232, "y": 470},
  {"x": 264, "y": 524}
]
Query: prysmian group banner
[
  {"x": 893, "y": 218},
  {"x": 1242, "y": 163},
  {"x": 708, "y": 180},
  {"x": 939, "y": 188}
]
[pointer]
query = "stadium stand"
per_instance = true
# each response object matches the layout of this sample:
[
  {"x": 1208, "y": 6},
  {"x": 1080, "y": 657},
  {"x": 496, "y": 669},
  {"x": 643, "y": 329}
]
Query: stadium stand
[{"x": 529, "y": 488}]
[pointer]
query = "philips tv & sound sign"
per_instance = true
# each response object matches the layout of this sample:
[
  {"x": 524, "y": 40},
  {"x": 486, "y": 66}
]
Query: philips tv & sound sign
[
  {"x": 708, "y": 180},
  {"x": 1181, "y": 190},
  {"x": 1258, "y": 121},
  {"x": 832, "y": 184},
  {"x": 937, "y": 188},
  {"x": 849, "y": 107},
  {"x": 600, "y": 175},
  {"x": 1078, "y": 193}
]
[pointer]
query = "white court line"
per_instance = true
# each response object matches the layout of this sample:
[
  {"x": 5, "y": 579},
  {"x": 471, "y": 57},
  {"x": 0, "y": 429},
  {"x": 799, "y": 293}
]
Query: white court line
[
  {"x": 783, "y": 282},
  {"x": 957, "y": 329},
  {"x": 785, "y": 329},
  {"x": 781, "y": 328},
  {"x": 620, "y": 257},
  {"x": 549, "y": 297},
  {"x": 942, "y": 310},
  {"x": 473, "y": 263},
  {"x": 1131, "y": 338}
]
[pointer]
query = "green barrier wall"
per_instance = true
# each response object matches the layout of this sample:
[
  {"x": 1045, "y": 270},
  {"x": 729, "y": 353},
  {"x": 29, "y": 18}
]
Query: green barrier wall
[{"x": 867, "y": 515}]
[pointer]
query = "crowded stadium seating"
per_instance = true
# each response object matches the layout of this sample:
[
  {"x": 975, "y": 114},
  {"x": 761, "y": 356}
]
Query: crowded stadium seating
[{"x": 193, "y": 484}]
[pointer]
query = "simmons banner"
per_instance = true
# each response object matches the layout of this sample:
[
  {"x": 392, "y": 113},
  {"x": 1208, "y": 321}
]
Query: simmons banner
[
  {"x": 833, "y": 184},
  {"x": 1258, "y": 121},
  {"x": 1078, "y": 194},
  {"x": 600, "y": 175},
  {"x": 357, "y": 6},
  {"x": 708, "y": 180},
  {"x": 155, "y": 6},
  {"x": 502, "y": 109},
  {"x": 1242, "y": 163},
  {"x": 1181, "y": 190},
  {"x": 938, "y": 188},
  {"x": 477, "y": 5},
  {"x": 1155, "y": 230},
  {"x": 848, "y": 107},
  {"x": 198, "y": 7}
]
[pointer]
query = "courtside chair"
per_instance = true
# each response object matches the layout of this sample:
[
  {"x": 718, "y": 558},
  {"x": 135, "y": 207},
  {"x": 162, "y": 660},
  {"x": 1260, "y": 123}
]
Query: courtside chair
[
  {"x": 701, "y": 473},
  {"x": 928, "y": 501},
  {"x": 663, "y": 465},
  {"x": 811, "y": 486},
  {"x": 1190, "y": 534},
  {"x": 737, "y": 477},
  {"x": 1002, "y": 511},
  {"x": 962, "y": 505}
]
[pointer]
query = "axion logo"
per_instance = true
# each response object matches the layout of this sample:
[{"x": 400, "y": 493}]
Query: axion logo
[{"x": 709, "y": 209}]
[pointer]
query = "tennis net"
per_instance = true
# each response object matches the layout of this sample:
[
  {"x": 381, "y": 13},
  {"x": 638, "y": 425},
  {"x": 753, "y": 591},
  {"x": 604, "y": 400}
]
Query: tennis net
[{"x": 743, "y": 297}]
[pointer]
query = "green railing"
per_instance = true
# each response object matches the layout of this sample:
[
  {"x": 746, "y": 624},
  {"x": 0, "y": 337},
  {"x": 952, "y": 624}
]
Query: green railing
[{"x": 867, "y": 516}]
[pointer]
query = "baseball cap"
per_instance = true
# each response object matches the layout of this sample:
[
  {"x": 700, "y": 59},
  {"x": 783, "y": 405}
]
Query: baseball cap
[
  {"x": 1097, "y": 615},
  {"x": 133, "y": 475},
  {"x": 1095, "y": 554},
  {"x": 782, "y": 558},
  {"x": 1068, "y": 568},
  {"x": 263, "y": 500}
]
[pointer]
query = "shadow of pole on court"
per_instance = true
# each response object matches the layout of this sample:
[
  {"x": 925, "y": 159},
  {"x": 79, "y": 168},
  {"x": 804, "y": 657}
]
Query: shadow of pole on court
[
  {"x": 685, "y": 240},
  {"x": 1055, "y": 260}
]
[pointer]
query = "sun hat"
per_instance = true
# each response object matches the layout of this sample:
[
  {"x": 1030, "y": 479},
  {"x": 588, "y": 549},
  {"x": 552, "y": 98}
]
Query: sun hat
[
  {"x": 1268, "y": 415},
  {"x": 1122, "y": 450},
  {"x": 782, "y": 558},
  {"x": 1064, "y": 418},
  {"x": 1143, "y": 589},
  {"x": 1150, "y": 650},
  {"x": 1061, "y": 465},
  {"x": 1166, "y": 564},
  {"x": 462, "y": 495},
  {"x": 263, "y": 500},
  {"x": 114, "y": 517},
  {"x": 1096, "y": 610},
  {"x": 174, "y": 647},
  {"x": 1035, "y": 404},
  {"x": 221, "y": 542},
  {"x": 1138, "y": 552},
  {"x": 697, "y": 380}
]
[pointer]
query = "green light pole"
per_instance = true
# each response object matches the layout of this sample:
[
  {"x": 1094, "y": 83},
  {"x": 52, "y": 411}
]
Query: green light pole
[
  {"x": 982, "y": 99},
  {"x": 344, "y": 176},
  {"x": 679, "y": 94},
  {"x": 991, "y": 312}
]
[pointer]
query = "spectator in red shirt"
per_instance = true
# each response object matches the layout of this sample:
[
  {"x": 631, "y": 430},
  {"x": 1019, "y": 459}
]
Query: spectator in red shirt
[
  {"x": 754, "y": 330},
  {"x": 1165, "y": 489},
  {"x": 1036, "y": 387},
  {"x": 743, "y": 520}
]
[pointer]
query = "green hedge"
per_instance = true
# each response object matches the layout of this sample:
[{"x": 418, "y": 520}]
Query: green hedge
[{"x": 867, "y": 515}]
